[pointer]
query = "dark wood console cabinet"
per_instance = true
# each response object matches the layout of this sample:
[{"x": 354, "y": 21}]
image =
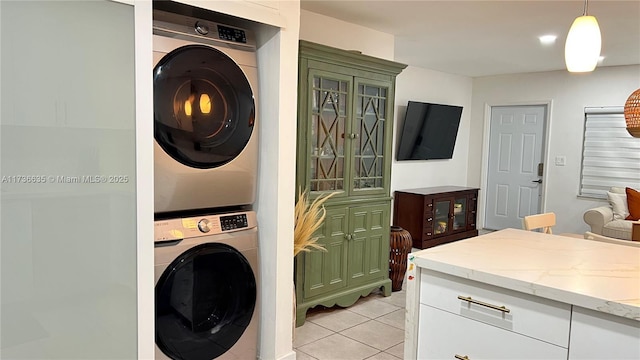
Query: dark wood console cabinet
[{"x": 436, "y": 215}]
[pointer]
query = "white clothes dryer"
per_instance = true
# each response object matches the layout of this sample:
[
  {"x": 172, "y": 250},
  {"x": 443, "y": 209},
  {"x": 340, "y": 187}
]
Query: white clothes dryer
[
  {"x": 206, "y": 292},
  {"x": 205, "y": 119}
]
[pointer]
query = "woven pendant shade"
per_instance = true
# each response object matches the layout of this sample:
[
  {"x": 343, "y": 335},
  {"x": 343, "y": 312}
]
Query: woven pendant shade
[{"x": 632, "y": 114}]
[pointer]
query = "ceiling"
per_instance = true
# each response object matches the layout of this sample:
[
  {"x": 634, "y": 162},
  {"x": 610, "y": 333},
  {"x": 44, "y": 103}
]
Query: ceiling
[{"x": 481, "y": 38}]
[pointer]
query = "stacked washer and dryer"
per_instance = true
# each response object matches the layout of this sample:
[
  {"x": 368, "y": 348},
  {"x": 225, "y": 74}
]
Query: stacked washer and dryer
[{"x": 206, "y": 243}]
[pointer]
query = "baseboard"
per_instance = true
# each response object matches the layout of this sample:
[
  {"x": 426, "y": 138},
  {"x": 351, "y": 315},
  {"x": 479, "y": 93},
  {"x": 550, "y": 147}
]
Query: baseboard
[{"x": 289, "y": 356}]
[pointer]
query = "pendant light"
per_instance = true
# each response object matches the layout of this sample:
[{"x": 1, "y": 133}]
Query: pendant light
[
  {"x": 632, "y": 114},
  {"x": 582, "y": 48}
]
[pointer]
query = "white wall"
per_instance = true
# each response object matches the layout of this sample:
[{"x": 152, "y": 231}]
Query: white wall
[
  {"x": 418, "y": 84},
  {"x": 343, "y": 35},
  {"x": 569, "y": 94}
]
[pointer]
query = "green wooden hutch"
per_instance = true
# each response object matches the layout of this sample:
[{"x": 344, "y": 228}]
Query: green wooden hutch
[{"x": 345, "y": 125}]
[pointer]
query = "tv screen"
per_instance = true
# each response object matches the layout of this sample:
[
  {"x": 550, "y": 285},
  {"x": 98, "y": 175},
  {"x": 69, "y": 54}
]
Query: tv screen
[{"x": 429, "y": 131}]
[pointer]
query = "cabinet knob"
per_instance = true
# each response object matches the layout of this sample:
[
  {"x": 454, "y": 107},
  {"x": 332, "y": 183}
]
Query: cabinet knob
[
  {"x": 430, "y": 219},
  {"x": 461, "y": 357}
]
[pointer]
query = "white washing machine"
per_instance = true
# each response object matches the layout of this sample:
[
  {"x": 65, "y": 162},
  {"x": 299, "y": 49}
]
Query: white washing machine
[
  {"x": 205, "y": 119},
  {"x": 206, "y": 293}
]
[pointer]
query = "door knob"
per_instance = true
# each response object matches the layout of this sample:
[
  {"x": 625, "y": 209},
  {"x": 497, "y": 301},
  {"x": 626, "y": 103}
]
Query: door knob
[{"x": 539, "y": 181}]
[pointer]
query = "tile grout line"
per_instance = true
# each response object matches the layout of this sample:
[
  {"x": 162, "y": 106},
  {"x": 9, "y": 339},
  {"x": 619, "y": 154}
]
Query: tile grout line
[
  {"x": 402, "y": 328},
  {"x": 332, "y": 333},
  {"x": 318, "y": 339},
  {"x": 305, "y": 353},
  {"x": 336, "y": 332},
  {"x": 352, "y": 326},
  {"x": 369, "y": 319},
  {"x": 356, "y": 340},
  {"x": 382, "y": 352}
]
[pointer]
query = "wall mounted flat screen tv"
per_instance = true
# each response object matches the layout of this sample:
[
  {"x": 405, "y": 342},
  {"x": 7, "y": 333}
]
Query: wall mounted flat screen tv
[{"x": 429, "y": 131}]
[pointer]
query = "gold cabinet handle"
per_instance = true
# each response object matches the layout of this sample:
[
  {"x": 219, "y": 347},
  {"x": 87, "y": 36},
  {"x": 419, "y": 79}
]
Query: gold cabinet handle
[
  {"x": 460, "y": 357},
  {"x": 474, "y": 301}
]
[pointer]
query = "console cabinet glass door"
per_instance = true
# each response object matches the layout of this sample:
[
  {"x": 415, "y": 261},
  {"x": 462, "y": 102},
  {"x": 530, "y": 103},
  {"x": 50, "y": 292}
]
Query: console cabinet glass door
[
  {"x": 450, "y": 215},
  {"x": 459, "y": 212},
  {"x": 441, "y": 218}
]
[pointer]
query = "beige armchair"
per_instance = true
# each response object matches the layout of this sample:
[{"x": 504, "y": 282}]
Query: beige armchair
[{"x": 602, "y": 221}]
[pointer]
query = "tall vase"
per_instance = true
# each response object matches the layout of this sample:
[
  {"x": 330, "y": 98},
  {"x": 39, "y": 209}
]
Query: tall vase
[{"x": 400, "y": 246}]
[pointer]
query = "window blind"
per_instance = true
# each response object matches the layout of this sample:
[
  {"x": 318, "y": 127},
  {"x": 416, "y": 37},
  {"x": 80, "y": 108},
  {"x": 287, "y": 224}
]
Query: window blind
[{"x": 610, "y": 156}]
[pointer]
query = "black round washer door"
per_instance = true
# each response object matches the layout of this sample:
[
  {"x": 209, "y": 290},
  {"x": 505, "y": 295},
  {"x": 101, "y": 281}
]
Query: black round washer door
[
  {"x": 204, "y": 302},
  {"x": 204, "y": 109}
]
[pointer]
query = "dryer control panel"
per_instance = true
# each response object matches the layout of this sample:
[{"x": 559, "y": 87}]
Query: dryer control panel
[
  {"x": 232, "y": 34},
  {"x": 202, "y": 30},
  {"x": 184, "y": 228}
]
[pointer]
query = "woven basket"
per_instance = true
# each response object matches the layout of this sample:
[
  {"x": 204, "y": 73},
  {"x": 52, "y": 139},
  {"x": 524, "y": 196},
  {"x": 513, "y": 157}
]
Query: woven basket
[
  {"x": 400, "y": 246},
  {"x": 632, "y": 113}
]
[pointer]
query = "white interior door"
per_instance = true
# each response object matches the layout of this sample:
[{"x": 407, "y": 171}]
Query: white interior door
[{"x": 516, "y": 137}]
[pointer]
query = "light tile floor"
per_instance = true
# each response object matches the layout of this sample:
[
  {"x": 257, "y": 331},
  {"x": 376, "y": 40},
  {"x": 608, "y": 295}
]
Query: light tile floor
[{"x": 372, "y": 328}]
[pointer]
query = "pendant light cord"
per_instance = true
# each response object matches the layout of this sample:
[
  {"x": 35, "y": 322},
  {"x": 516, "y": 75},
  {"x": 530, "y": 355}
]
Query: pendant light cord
[{"x": 586, "y": 7}]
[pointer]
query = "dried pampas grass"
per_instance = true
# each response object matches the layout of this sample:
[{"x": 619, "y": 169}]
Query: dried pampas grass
[{"x": 308, "y": 218}]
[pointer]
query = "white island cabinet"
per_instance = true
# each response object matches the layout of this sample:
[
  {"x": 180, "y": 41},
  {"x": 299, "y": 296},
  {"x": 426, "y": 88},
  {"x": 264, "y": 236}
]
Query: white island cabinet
[{"x": 514, "y": 294}]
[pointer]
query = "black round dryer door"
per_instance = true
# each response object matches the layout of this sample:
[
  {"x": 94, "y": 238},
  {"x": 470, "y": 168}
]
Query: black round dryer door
[
  {"x": 203, "y": 106},
  {"x": 204, "y": 302}
]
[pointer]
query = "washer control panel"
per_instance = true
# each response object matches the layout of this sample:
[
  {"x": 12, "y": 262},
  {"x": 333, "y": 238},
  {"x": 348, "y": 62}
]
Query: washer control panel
[
  {"x": 232, "y": 222},
  {"x": 183, "y": 228}
]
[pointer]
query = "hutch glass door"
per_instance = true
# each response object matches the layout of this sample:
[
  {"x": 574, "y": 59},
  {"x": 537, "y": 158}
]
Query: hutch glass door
[{"x": 330, "y": 99}]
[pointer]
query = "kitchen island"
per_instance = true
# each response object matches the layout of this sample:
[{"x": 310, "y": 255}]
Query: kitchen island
[{"x": 516, "y": 294}]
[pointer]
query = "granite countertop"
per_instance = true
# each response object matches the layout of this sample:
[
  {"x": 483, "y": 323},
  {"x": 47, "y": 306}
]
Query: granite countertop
[{"x": 591, "y": 274}]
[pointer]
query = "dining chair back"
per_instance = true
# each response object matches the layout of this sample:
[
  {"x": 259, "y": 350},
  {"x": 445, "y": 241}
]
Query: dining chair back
[{"x": 540, "y": 221}]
